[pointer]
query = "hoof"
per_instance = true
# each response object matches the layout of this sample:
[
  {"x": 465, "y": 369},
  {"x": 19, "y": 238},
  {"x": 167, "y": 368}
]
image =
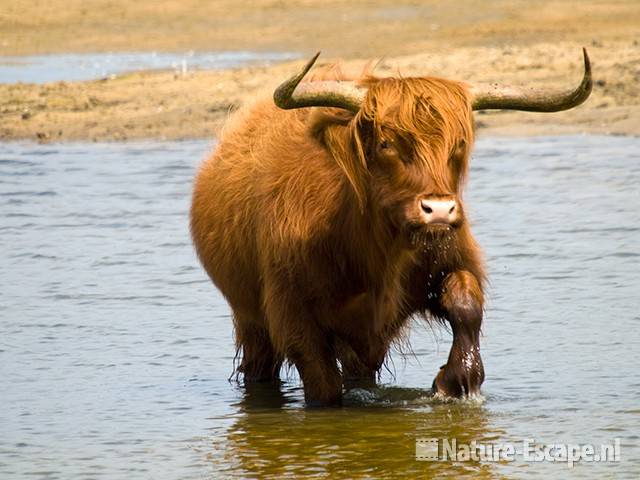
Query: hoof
[{"x": 457, "y": 383}]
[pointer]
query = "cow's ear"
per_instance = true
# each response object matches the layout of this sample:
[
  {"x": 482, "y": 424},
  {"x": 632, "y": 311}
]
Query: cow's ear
[
  {"x": 345, "y": 146},
  {"x": 367, "y": 135},
  {"x": 322, "y": 119}
]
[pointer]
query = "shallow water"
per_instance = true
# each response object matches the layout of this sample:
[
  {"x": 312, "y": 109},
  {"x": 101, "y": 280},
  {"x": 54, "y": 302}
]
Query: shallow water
[
  {"x": 115, "y": 349},
  {"x": 88, "y": 66}
]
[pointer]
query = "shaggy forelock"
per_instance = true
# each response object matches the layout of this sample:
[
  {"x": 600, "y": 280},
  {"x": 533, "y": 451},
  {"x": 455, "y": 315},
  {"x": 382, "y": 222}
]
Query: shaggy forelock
[{"x": 435, "y": 114}]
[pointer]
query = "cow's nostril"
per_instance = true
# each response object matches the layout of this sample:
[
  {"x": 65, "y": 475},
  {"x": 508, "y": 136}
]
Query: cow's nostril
[
  {"x": 452, "y": 209},
  {"x": 427, "y": 209}
]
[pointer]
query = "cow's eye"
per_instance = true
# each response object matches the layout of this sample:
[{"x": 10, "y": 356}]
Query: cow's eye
[{"x": 384, "y": 145}]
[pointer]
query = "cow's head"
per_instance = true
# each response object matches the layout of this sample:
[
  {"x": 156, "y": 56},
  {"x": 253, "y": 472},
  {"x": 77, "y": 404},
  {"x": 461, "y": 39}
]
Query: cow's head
[
  {"x": 409, "y": 139},
  {"x": 416, "y": 134}
]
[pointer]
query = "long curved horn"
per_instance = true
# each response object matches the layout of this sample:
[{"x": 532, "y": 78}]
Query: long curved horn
[
  {"x": 293, "y": 94},
  {"x": 494, "y": 96}
]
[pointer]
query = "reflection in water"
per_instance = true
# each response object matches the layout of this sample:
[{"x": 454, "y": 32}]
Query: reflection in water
[{"x": 376, "y": 439}]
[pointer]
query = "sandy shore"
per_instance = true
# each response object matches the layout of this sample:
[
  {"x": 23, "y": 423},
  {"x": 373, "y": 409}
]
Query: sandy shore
[{"x": 533, "y": 43}]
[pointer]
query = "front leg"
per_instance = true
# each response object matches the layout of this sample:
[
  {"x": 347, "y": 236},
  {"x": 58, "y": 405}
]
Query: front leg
[
  {"x": 298, "y": 332},
  {"x": 462, "y": 305},
  {"x": 361, "y": 349}
]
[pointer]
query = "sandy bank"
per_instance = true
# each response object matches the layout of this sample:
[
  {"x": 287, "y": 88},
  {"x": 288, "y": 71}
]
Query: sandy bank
[{"x": 510, "y": 42}]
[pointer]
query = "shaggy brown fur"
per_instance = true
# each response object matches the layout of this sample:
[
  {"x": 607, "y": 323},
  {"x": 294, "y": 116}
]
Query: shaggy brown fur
[{"x": 308, "y": 222}]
